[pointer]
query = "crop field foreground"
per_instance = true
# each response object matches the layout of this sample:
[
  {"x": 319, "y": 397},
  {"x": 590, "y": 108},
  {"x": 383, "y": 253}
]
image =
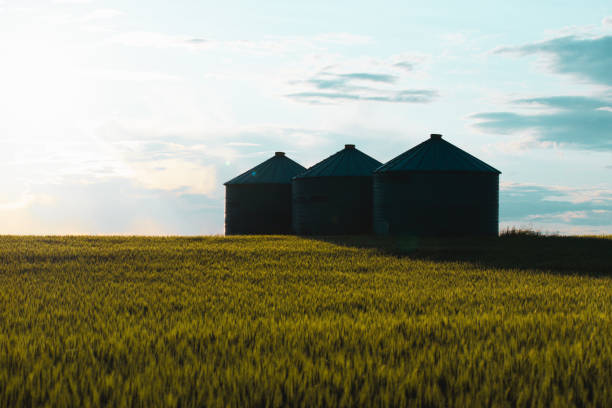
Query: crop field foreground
[{"x": 287, "y": 321}]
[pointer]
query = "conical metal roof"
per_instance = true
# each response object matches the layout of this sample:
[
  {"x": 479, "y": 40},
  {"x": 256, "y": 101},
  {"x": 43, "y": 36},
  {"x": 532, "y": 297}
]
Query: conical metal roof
[
  {"x": 347, "y": 162},
  {"x": 279, "y": 169},
  {"x": 436, "y": 154}
]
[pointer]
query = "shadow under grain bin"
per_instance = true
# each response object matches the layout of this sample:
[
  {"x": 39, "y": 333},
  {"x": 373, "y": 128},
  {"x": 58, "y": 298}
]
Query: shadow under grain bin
[
  {"x": 335, "y": 195},
  {"x": 259, "y": 200},
  {"x": 563, "y": 255}
]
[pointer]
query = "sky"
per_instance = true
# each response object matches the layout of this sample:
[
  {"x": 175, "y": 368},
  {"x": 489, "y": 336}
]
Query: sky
[{"x": 126, "y": 117}]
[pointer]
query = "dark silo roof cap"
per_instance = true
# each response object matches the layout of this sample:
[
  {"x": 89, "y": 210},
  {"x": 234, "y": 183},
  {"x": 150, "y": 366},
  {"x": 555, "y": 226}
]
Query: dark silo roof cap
[
  {"x": 347, "y": 162},
  {"x": 435, "y": 136},
  {"x": 436, "y": 154},
  {"x": 279, "y": 169}
]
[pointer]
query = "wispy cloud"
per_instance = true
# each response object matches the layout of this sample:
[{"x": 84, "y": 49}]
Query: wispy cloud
[
  {"x": 403, "y": 96},
  {"x": 175, "y": 175},
  {"x": 167, "y": 165},
  {"x": 267, "y": 45},
  {"x": 574, "y": 195},
  {"x": 584, "y": 122},
  {"x": 589, "y": 58},
  {"x": 405, "y": 65},
  {"x": 157, "y": 40},
  {"x": 135, "y": 76},
  {"x": 346, "y": 82},
  {"x": 575, "y": 121},
  {"x": 329, "y": 87},
  {"x": 155, "y": 165},
  {"x": 562, "y": 206},
  {"x": 567, "y": 216}
]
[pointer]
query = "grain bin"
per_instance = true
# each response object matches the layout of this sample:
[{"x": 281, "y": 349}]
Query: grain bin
[
  {"x": 335, "y": 196},
  {"x": 436, "y": 189},
  {"x": 259, "y": 200}
]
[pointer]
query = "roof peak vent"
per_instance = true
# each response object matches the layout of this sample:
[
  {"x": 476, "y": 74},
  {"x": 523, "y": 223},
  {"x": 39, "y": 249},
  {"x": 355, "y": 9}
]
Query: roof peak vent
[
  {"x": 349, "y": 146},
  {"x": 436, "y": 136},
  {"x": 279, "y": 154}
]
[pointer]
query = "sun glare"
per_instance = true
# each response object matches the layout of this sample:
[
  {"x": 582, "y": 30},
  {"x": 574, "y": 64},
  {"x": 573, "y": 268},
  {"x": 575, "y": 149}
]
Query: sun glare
[{"x": 42, "y": 84}]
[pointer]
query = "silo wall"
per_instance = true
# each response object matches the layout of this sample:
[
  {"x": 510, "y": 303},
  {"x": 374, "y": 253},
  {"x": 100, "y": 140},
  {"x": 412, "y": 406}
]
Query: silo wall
[
  {"x": 436, "y": 203},
  {"x": 332, "y": 205},
  {"x": 258, "y": 209}
]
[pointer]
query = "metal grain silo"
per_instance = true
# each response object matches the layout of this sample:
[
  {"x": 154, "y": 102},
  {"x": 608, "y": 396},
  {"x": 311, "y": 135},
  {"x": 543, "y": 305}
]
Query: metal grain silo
[
  {"x": 259, "y": 200},
  {"x": 335, "y": 196},
  {"x": 436, "y": 189}
]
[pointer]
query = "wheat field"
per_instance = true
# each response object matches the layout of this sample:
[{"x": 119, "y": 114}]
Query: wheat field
[{"x": 285, "y": 321}]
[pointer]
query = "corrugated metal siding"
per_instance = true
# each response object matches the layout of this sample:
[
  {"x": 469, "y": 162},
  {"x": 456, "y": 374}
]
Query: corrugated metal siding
[
  {"x": 436, "y": 203},
  {"x": 258, "y": 209},
  {"x": 332, "y": 205}
]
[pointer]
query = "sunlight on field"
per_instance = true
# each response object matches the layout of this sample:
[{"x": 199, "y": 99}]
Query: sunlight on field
[{"x": 275, "y": 321}]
